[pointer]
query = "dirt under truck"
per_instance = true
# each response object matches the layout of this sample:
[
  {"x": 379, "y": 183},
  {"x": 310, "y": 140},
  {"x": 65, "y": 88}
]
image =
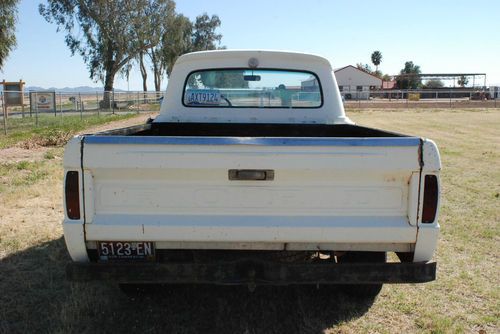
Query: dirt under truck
[{"x": 252, "y": 174}]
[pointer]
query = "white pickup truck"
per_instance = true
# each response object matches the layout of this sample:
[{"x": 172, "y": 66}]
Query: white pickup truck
[{"x": 252, "y": 174}]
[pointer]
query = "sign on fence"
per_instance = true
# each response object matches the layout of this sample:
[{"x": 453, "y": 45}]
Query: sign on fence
[
  {"x": 43, "y": 101},
  {"x": 13, "y": 93}
]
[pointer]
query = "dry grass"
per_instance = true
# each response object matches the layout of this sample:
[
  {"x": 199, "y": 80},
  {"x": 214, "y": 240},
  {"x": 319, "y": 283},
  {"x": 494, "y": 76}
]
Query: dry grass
[{"x": 465, "y": 298}]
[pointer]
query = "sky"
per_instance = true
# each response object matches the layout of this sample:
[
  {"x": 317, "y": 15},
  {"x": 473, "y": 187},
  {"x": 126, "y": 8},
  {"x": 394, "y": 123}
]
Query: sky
[{"x": 446, "y": 36}]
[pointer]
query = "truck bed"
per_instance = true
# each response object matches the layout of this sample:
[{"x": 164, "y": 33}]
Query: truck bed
[{"x": 251, "y": 130}]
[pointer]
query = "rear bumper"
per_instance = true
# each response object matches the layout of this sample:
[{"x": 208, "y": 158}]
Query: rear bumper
[
  {"x": 252, "y": 229},
  {"x": 254, "y": 273}
]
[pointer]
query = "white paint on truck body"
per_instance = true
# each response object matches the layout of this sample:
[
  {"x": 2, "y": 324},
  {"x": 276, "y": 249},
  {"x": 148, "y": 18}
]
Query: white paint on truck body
[{"x": 182, "y": 193}]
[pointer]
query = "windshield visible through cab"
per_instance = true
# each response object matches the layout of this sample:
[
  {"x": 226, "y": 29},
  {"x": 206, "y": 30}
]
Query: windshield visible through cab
[{"x": 252, "y": 88}]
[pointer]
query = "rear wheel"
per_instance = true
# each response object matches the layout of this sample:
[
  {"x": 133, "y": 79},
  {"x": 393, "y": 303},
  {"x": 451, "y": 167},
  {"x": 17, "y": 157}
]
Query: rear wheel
[{"x": 362, "y": 290}]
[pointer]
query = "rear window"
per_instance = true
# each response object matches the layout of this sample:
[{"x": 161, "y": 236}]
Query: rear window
[{"x": 251, "y": 88}]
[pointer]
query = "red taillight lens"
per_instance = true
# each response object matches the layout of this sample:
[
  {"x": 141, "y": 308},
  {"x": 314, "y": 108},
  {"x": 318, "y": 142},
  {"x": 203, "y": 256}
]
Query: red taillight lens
[
  {"x": 72, "y": 194},
  {"x": 430, "y": 199}
]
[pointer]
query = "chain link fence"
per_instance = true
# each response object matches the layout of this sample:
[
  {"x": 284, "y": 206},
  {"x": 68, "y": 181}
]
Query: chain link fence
[
  {"x": 35, "y": 111},
  {"x": 424, "y": 98},
  {"x": 41, "y": 109}
]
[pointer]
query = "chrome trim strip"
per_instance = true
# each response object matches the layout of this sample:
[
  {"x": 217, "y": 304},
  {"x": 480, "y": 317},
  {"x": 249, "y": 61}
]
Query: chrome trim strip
[{"x": 255, "y": 141}]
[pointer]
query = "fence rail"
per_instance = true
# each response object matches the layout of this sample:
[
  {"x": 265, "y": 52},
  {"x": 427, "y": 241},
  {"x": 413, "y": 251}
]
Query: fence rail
[
  {"x": 31, "y": 107},
  {"x": 422, "y": 98},
  {"x": 84, "y": 104}
]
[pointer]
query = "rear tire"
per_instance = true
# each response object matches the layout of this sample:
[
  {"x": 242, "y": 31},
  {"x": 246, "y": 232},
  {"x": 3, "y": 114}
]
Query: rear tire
[{"x": 362, "y": 290}]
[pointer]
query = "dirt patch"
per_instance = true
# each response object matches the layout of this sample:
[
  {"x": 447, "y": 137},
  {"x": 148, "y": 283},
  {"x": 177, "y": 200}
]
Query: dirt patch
[
  {"x": 141, "y": 118},
  {"x": 53, "y": 138},
  {"x": 17, "y": 154},
  {"x": 35, "y": 149}
]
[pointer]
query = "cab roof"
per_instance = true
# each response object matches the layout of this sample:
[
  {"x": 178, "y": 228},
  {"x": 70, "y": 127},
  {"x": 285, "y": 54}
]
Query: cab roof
[{"x": 266, "y": 58}]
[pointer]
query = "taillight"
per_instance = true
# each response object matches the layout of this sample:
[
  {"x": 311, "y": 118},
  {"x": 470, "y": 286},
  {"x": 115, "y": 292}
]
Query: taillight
[
  {"x": 430, "y": 199},
  {"x": 72, "y": 194}
]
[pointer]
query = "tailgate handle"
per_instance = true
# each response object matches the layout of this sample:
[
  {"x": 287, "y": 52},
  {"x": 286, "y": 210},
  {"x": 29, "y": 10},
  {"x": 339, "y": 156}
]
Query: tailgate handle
[{"x": 251, "y": 174}]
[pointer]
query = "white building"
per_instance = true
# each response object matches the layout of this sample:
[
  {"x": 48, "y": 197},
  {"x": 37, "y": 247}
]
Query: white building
[
  {"x": 356, "y": 84},
  {"x": 311, "y": 84},
  {"x": 495, "y": 92}
]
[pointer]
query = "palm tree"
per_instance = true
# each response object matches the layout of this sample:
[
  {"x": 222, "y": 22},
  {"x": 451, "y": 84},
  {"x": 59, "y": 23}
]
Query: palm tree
[
  {"x": 376, "y": 59},
  {"x": 463, "y": 81}
]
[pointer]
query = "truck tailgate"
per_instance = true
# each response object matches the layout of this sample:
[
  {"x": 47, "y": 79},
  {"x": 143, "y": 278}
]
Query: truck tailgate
[{"x": 179, "y": 189}]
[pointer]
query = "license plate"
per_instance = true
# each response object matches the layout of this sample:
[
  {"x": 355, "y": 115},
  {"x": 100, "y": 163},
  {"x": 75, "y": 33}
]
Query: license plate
[
  {"x": 126, "y": 250},
  {"x": 203, "y": 96}
]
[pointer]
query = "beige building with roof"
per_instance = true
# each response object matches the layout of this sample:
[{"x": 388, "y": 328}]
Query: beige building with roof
[{"x": 356, "y": 84}]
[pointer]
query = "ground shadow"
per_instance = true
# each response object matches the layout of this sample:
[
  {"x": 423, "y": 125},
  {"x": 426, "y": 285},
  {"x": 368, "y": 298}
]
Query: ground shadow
[{"x": 37, "y": 298}]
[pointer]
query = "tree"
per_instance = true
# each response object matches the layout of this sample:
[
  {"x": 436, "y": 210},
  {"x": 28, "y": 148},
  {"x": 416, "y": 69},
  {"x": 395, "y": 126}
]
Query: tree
[
  {"x": 8, "y": 18},
  {"x": 364, "y": 67},
  {"x": 204, "y": 36},
  {"x": 434, "y": 83},
  {"x": 167, "y": 27},
  {"x": 409, "y": 76},
  {"x": 104, "y": 33},
  {"x": 181, "y": 36},
  {"x": 174, "y": 42},
  {"x": 378, "y": 74},
  {"x": 463, "y": 81},
  {"x": 190, "y": 37},
  {"x": 220, "y": 79},
  {"x": 376, "y": 59},
  {"x": 150, "y": 32},
  {"x": 367, "y": 68}
]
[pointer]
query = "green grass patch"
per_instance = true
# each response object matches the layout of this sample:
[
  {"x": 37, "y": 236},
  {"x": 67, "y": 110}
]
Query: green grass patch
[
  {"x": 51, "y": 130},
  {"x": 49, "y": 155},
  {"x": 439, "y": 324},
  {"x": 20, "y": 174},
  {"x": 23, "y": 165}
]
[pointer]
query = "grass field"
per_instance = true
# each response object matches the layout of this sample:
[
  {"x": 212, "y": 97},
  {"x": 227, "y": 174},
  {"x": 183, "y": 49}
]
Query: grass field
[
  {"x": 51, "y": 130},
  {"x": 35, "y": 296}
]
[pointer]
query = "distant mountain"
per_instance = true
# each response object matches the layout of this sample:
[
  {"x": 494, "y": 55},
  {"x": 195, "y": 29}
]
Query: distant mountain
[{"x": 80, "y": 89}]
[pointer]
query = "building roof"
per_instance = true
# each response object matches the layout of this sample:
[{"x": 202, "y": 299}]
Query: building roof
[
  {"x": 353, "y": 76},
  {"x": 359, "y": 69}
]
